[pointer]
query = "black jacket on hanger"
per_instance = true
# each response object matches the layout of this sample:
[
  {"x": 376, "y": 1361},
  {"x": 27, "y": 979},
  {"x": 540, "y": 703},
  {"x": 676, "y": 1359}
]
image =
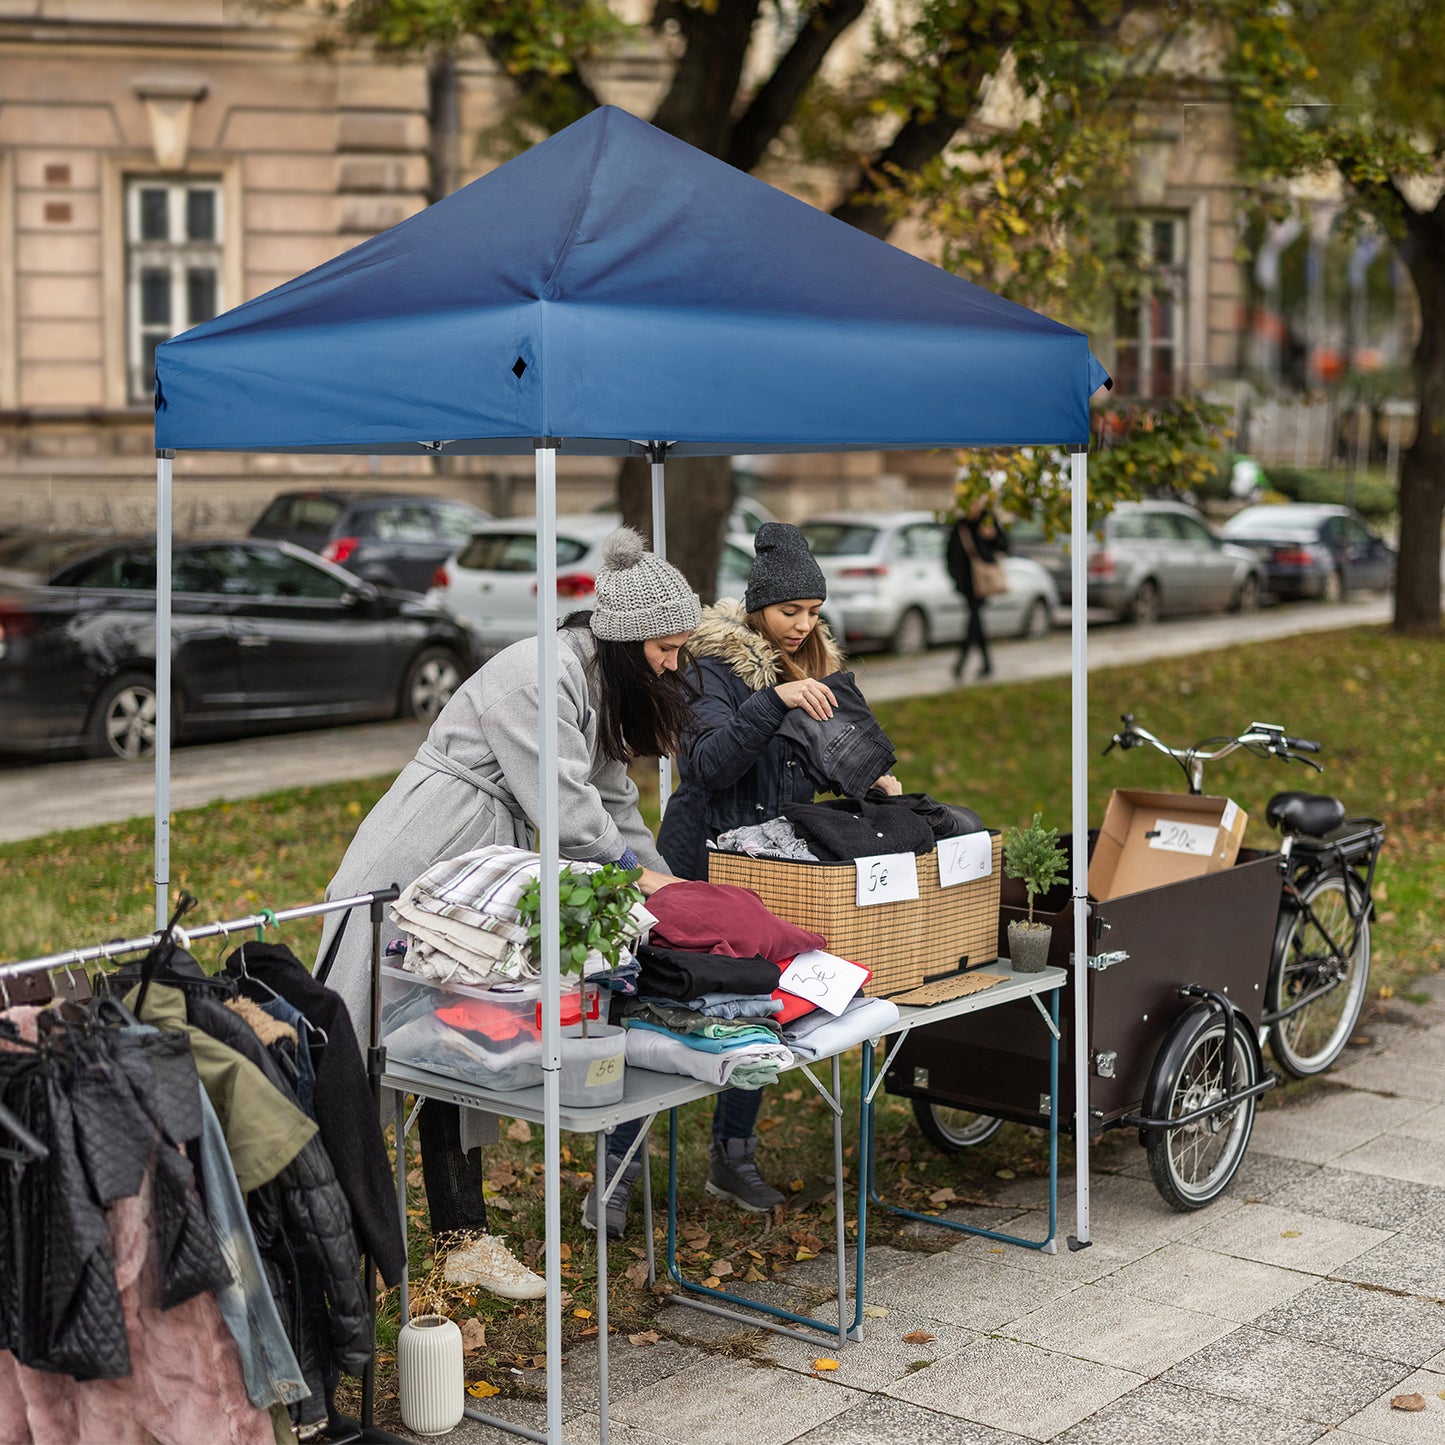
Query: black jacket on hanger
[{"x": 350, "y": 1129}]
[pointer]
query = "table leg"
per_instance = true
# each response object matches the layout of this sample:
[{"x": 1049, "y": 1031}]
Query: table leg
[{"x": 599, "y": 1184}]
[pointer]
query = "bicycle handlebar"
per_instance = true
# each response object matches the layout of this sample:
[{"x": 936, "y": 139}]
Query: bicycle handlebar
[{"x": 1259, "y": 738}]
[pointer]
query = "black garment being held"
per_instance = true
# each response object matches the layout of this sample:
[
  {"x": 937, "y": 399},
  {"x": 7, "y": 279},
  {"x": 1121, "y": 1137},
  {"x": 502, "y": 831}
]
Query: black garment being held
[{"x": 846, "y": 753}]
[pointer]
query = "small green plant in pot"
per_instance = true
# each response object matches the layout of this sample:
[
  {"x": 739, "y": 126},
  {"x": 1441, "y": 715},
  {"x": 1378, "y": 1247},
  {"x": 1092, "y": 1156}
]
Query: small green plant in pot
[
  {"x": 1034, "y": 857},
  {"x": 596, "y": 919}
]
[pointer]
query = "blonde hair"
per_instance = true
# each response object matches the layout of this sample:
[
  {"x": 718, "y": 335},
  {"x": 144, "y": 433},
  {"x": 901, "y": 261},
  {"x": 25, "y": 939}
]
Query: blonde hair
[{"x": 810, "y": 660}]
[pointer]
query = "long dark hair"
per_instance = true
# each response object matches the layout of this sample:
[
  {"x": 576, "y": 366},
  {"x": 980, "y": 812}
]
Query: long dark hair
[{"x": 640, "y": 713}]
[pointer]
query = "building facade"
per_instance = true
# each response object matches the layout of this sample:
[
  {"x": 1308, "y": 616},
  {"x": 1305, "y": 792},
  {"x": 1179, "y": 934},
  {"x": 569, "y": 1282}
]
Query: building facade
[{"x": 164, "y": 160}]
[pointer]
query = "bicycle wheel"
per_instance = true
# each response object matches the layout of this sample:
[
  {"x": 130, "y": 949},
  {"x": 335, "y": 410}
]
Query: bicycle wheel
[
  {"x": 1319, "y": 946},
  {"x": 1194, "y": 1163},
  {"x": 953, "y": 1130}
]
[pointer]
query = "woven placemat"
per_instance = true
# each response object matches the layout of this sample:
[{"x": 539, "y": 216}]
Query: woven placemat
[{"x": 944, "y": 989}]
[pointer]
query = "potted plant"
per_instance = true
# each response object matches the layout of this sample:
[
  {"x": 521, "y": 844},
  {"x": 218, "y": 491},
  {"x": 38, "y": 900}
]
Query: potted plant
[
  {"x": 1033, "y": 856},
  {"x": 597, "y": 910}
]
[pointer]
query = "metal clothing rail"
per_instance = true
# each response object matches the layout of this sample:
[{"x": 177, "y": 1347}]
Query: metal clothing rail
[{"x": 376, "y": 901}]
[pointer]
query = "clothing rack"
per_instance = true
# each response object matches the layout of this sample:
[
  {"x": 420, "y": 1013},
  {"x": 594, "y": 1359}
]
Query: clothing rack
[{"x": 376, "y": 902}]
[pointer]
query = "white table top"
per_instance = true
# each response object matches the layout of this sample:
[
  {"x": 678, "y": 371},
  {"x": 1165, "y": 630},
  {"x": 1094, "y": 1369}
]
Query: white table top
[{"x": 647, "y": 1092}]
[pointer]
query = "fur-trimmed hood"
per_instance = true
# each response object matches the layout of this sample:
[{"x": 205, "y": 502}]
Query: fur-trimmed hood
[{"x": 723, "y": 633}]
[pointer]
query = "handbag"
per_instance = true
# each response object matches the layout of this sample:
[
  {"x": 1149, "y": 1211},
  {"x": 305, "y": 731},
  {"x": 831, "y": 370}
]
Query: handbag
[{"x": 988, "y": 578}]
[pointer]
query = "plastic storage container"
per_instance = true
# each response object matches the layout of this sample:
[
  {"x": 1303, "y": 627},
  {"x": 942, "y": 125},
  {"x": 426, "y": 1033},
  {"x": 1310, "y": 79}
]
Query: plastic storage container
[{"x": 491, "y": 1037}]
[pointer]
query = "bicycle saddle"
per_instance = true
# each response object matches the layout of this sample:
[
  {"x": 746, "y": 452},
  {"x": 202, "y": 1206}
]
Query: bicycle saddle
[{"x": 1313, "y": 814}]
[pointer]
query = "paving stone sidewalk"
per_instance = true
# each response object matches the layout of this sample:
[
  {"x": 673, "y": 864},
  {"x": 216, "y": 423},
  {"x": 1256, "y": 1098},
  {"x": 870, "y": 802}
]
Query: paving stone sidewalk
[{"x": 1291, "y": 1310}]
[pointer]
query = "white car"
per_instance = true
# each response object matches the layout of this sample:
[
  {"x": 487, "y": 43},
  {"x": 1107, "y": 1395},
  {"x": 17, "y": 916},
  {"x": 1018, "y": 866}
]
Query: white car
[
  {"x": 888, "y": 583},
  {"x": 491, "y": 581}
]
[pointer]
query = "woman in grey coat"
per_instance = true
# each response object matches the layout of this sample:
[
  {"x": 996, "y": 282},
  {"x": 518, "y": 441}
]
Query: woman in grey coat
[{"x": 475, "y": 781}]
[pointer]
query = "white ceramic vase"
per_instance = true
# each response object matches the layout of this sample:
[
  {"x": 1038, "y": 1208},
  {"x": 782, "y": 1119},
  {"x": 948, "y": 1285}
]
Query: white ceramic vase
[{"x": 431, "y": 1382}]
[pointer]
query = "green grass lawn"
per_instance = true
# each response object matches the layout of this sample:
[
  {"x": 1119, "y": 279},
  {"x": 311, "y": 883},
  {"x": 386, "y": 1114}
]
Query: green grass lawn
[{"x": 1374, "y": 700}]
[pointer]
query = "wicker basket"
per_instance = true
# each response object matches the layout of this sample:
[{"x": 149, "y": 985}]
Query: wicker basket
[{"x": 906, "y": 943}]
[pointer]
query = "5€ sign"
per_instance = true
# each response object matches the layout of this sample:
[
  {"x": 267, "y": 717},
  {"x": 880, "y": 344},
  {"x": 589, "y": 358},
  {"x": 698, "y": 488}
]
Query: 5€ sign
[{"x": 886, "y": 878}]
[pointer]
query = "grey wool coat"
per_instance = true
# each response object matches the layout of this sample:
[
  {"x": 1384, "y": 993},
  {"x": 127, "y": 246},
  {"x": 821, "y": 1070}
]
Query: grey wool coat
[
  {"x": 474, "y": 782},
  {"x": 735, "y": 766}
]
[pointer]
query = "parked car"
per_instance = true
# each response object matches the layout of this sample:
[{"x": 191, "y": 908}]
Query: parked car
[
  {"x": 746, "y": 516},
  {"x": 1150, "y": 559},
  {"x": 888, "y": 583},
  {"x": 491, "y": 581},
  {"x": 1313, "y": 550},
  {"x": 392, "y": 539},
  {"x": 265, "y": 636}
]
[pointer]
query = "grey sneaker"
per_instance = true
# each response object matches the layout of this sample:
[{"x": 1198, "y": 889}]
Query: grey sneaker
[
  {"x": 617, "y": 1205},
  {"x": 732, "y": 1175}
]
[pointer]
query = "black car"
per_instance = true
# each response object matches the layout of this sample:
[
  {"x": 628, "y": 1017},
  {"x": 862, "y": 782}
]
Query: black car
[
  {"x": 264, "y": 636},
  {"x": 1314, "y": 550},
  {"x": 392, "y": 539}
]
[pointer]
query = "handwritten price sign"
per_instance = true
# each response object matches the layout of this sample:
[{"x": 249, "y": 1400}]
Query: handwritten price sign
[
  {"x": 886, "y": 878},
  {"x": 1175, "y": 835},
  {"x": 965, "y": 859}
]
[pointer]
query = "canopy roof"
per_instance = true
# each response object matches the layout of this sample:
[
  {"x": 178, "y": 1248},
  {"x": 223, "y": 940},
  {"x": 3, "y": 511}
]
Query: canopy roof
[{"x": 615, "y": 285}]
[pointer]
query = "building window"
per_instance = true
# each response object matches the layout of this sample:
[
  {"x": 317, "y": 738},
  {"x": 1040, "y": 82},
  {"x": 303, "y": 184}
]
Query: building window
[
  {"x": 173, "y": 268},
  {"x": 1149, "y": 320}
]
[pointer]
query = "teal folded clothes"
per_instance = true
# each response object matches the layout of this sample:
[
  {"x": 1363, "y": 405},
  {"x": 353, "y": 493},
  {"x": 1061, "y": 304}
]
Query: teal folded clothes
[{"x": 746, "y": 1039}]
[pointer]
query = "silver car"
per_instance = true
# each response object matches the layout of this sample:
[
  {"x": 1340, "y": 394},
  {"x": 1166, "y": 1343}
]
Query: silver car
[
  {"x": 1149, "y": 559},
  {"x": 491, "y": 581},
  {"x": 888, "y": 583}
]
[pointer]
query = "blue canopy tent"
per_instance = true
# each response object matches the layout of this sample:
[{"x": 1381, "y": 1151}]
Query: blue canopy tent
[{"x": 614, "y": 291}]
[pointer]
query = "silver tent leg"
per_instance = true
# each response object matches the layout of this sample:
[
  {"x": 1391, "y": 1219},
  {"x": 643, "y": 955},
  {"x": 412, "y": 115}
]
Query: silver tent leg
[
  {"x": 1079, "y": 632},
  {"x": 547, "y": 847},
  {"x": 163, "y": 686},
  {"x": 657, "y": 451}
]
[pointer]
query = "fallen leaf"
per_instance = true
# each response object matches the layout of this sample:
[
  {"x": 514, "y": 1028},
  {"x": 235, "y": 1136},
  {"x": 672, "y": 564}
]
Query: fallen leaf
[
  {"x": 474, "y": 1335},
  {"x": 754, "y": 1274},
  {"x": 581, "y": 1314},
  {"x": 636, "y": 1275},
  {"x": 413, "y": 1177},
  {"x": 755, "y": 1254},
  {"x": 564, "y": 1251},
  {"x": 874, "y": 1312},
  {"x": 793, "y": 1095},
  {"x": 1289, "y": 1234},
  {"x": 483, "y": 1390},
  {"x": 763, "y": 1125},
  {"x": 520, "y": 1130},
  {"x": 712, "y": 1281},
  {"x": 644, "y": 1337},
  {"x": 942, "y": 1196},
  {"x": 1407, "y": 1402},
  {"x": 919, "y": 1337},
  {"x": 825, "y": 1364},
  {"x": 803, "y": 1254},
  {"x": 590, "y": 1331},
  {"x": 1004, "y": 1174},
  {"x": 721, "y": 1266},
  {"x": 795, "y": 1186}
]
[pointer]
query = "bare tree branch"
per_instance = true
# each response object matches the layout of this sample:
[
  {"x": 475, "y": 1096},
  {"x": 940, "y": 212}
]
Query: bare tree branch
[{"x": 778, "y": 97}]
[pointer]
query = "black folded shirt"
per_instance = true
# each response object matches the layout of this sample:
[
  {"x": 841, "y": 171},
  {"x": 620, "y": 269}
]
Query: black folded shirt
[{"x": 682, "y": 974}]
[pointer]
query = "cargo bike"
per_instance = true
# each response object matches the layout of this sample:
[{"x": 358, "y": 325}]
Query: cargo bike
[{"x": 1188, "y": 982}]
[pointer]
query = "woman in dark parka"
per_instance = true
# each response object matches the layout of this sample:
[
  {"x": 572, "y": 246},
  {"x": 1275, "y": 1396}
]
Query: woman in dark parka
[{"x": 752, "y": 662}]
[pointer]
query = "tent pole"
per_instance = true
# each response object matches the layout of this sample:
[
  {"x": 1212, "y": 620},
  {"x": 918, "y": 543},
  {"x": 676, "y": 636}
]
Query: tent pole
[
  {"x": 164, "y": 460},
  {"x": 657, "y": 454},
  {"x": 1079, "y": 634},
  {"x": 548, "y": 915}
]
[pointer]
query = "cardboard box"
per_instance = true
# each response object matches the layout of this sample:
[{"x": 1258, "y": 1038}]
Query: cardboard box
[{"x": 1150, "y": 839}]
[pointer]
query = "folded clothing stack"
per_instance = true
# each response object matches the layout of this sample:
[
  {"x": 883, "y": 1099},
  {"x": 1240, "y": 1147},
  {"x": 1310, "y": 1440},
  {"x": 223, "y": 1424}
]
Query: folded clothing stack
[
  {"x": 708, "y": 1003},
  {"x": 463, "y": 918},
  {"x": 819, "y": 1034}
]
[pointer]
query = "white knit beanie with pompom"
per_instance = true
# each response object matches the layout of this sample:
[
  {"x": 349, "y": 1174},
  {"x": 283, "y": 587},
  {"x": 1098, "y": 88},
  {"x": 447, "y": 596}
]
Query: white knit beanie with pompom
[{"x": 640, "y": 596}]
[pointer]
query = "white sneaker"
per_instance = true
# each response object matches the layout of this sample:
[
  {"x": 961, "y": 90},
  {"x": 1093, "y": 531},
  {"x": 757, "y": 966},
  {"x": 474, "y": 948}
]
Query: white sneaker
[{"x": 487, "y": 1262}]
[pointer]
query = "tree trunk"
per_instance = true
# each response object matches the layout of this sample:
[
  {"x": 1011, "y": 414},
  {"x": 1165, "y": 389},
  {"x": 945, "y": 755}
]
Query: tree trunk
[
  {"x": 1422, "y": 471},
  {"x": 699, "y": 498}
]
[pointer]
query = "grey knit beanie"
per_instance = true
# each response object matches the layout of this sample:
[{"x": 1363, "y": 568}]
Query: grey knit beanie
[
  {"x": 640, "y": 596},
  {"x": 784, "y": 569}
]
